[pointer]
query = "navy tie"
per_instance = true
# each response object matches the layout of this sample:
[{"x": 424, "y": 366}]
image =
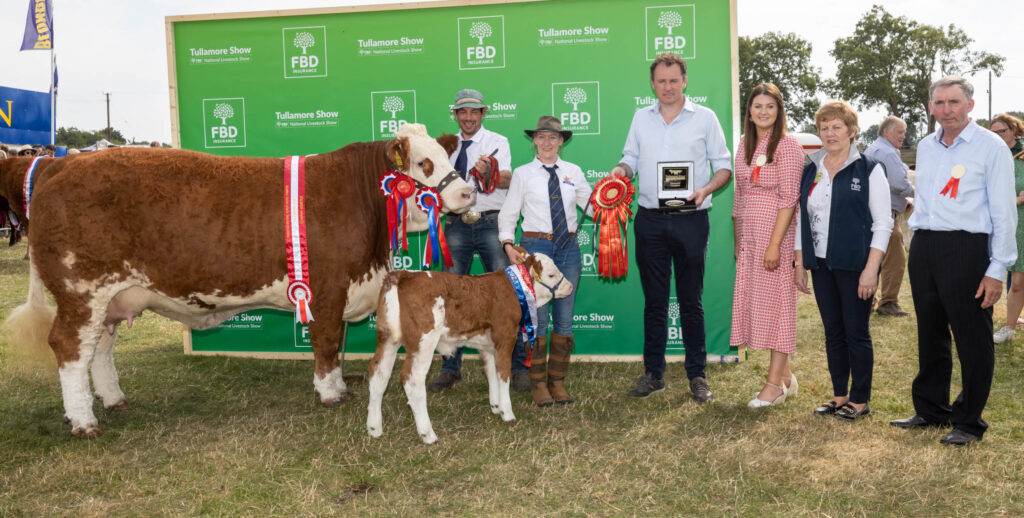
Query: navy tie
[
  {"x": 559, "y": 230},
  {"x": 460, "y": 161}
]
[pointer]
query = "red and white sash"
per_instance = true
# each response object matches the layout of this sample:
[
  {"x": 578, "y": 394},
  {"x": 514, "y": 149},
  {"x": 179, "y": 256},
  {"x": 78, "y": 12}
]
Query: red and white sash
[{"x": 299, "y": 292}]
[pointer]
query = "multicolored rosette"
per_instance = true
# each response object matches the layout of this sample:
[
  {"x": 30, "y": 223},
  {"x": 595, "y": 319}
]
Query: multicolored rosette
[
  {"x": 611, "y": 199},
  {"x": 429, "y": 201},
  {"x": 301, "y": 296},
  {"x": 396, "y": 188}
]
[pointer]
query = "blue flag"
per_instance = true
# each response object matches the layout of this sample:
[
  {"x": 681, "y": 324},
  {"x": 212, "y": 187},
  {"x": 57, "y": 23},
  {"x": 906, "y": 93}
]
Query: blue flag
[{"x": 38, "y": 26}]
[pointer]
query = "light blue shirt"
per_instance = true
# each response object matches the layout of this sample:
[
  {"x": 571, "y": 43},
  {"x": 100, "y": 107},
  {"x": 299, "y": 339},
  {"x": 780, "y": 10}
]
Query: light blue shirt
[
  {"x": 985, "y": 201},
  {"x": 883, "y": 152},
  {"x": 693, "y": 136}
]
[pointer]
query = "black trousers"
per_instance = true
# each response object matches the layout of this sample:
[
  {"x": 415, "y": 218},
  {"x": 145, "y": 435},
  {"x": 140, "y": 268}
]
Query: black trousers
[
  {"x": 664, "y": 240},
  {"x": 945, "y": 271},
  {"x": 847, "y": 334}
]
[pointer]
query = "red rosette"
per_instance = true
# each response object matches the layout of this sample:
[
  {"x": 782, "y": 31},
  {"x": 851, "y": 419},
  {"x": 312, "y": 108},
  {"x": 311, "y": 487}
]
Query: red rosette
[
  {"x": 299, "y": 290},
  {"x": 429, "y": 201},
  {"x": 404, "y": 186},
  {"x": 611, "y": 199},
  {"x": 428, "y": 198},
  {"x": 396, "y": 188}
]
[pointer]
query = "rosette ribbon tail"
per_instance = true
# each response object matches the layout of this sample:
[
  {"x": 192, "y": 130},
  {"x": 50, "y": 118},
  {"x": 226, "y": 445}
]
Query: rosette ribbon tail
[{"x": 951, "y": 188}]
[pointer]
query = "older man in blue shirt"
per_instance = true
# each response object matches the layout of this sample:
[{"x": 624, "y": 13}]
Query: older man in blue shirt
[
  {"x": 674, "y": 145},
  {"x": 964, "y": 221},
  {"x": 886, "y": 150}
]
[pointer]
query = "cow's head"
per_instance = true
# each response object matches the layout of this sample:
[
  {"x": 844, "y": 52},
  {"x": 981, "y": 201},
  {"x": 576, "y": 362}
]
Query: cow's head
[
  {"x": 425, "y": 160},
  {"x": 548, "y": 281}
]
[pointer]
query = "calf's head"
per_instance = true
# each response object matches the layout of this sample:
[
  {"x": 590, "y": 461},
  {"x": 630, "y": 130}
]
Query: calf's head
[
  {"x": 425, "y": 160},
  {"x": 548, "y": 281}
]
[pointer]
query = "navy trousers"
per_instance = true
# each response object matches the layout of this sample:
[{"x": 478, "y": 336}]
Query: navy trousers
[
  {"x": 664, "y": 241},
  {"x": 847, "y": 335}
]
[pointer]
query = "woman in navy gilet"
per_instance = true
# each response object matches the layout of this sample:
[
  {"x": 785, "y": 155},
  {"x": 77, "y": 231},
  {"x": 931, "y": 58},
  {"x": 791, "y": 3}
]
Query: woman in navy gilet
[{"x": 842, "y": 233}]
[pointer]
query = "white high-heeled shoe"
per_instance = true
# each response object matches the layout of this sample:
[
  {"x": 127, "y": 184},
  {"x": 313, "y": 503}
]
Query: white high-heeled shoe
[
  {"x": 760, "y": 403},
  {"x": 793, "y": 387}
]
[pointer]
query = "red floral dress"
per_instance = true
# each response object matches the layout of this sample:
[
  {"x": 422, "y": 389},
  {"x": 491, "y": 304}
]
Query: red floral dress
[{"x": 764, "y": 303}]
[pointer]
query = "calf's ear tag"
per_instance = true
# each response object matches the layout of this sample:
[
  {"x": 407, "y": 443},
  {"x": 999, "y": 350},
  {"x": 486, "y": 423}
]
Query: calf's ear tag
[{"x": 398, "y": 159}]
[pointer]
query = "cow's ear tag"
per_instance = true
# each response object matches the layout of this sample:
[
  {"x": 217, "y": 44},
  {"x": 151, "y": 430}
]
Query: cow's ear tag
[
  {"x": 535, "y": 275},
  {"x": 398, "y": 159}
]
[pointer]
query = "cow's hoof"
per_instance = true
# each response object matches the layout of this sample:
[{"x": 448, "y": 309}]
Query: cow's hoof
[
  {"x": 508, "y": 418},
  {"x": 428, "y": 438},
  {"x": 374, "y": 432},
  {"x": 119, "y": 406},
  {"x": 86, "y": 432},
  {"x": 337, "y": 402}
]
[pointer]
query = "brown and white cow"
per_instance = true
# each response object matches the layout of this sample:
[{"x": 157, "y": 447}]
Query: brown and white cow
[
  {"x": 199, "y": 238},
  {"x": 428, "y": 311}
]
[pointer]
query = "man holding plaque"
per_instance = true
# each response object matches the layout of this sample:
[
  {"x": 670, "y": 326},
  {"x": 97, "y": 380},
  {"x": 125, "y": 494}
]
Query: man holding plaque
[
  {"x": 673, "y": 146},
  {"x": 484, "y": 159},
  {"x": 964, "y": 221}
]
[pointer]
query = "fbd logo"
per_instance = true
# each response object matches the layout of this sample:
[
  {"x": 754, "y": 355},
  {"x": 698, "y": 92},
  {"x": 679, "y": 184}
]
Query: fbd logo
[
  {"x": 670, "y": 28},
  {"x": 584, "y": 238},
  {"x": 390, "y": 110},
  {"x": 305, "y": 51},
  {"x": 578, "y": 105},
  {"x": 224, "y": 122},
  {"x": 482, "y": 42}
]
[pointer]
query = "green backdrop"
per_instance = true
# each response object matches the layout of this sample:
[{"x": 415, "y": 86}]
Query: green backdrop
[{"x": 313, "y": 82}]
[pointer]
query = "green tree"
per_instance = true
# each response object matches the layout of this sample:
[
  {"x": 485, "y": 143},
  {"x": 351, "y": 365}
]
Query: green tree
[
  {"x": 76, "y": 138},
  {"x": 890, "y": 62},
  {"x": 785, "y": 61}
]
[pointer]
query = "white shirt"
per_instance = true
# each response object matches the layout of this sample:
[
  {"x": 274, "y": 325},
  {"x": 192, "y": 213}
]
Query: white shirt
[
  {"x": 694, "y": 135},
  {"x": 819, "y": 206},
  {"x": 528, "y": 196},
  {"x": 484, "y": 143}
]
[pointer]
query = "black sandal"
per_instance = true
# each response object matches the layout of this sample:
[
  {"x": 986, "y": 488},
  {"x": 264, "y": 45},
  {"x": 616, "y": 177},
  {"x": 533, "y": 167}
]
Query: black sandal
[
  {"x": 827, "y": 408},
  {"x": 850, "y": 412}
]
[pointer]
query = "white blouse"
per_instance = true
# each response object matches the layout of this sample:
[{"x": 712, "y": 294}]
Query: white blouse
[
  {"x": 819, "y": 206},
  {"x": 528, "y": 196}
]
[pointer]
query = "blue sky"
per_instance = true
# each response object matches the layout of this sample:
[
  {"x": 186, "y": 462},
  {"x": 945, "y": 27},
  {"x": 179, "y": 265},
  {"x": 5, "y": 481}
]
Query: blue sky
[{"x": 119, "y": 46}]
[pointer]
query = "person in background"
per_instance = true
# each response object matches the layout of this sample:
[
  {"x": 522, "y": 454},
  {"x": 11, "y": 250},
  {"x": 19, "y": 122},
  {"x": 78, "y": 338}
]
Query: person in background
[
  {"x": 768, "y": 169},
  {"x": 546, "y": 192},
  {"x": 886, "y": 151},
  {"x": 841, "y": 236},
  {"x": 964, "y": 221},
  {"x": 1011, "y": 130},
  {"x": 477, "y": 231}
]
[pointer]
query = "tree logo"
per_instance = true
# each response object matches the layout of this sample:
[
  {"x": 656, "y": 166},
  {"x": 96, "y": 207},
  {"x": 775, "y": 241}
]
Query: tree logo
[
  {"x": 587, "y": 256},
  {"x": 305, "y": 51},
  {"x": 670, "y": 28},
  {"x": 224, "y": 122},
  {"x": 391, "y": 110},
  {"x": 578, "y": 106},
  {"x": 675, "y": 330},
  {"x": 481, "y": 42},
  {"x": 393, "y": 104}
]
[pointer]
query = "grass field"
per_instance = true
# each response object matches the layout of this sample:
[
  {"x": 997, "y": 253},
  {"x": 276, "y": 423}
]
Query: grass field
[{"x": 228, "y": 436}]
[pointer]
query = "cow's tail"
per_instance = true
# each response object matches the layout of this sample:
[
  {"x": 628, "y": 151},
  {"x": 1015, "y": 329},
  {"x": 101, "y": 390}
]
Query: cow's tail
[{"x": 27, "y": 328}]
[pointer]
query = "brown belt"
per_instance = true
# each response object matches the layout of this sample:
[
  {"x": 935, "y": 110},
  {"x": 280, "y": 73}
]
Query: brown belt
[
  {"x": 489, "y": 212},
  {"x": 543, "y": 235}
]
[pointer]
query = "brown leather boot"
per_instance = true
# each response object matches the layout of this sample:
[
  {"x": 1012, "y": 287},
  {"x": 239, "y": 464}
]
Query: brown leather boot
[
  {"x": 558, "y": 364},
  {"x": 538, "y": 373}
]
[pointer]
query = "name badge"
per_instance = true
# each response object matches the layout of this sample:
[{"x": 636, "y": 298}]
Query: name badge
[{"x": 675, "y": 184}]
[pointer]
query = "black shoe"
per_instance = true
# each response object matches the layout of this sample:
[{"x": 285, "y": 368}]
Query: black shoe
[
  {"x": 520, "y": 381},
  {"x": 827, "y": 409},
  {"x": 700, "y": 390},
  {"x": 444, "y": 381},
  {"x": 848, "y": 412},
  {"x": 914, "y": 421},
  {"x": 646, "y": 386},
  {"x": 958, "y": 438}
]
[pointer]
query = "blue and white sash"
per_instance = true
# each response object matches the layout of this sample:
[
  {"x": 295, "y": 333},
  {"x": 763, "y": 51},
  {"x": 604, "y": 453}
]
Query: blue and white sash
[{"x": 523, "y": 285}]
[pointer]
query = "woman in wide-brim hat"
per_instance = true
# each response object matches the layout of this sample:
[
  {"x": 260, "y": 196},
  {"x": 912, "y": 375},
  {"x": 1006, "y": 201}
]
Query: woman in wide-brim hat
[{"x": 545, "y": 193}]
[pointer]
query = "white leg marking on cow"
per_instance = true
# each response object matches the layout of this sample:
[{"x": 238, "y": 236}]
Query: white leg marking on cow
[
  {"x": 505, "y": 400},
  {"x": 416, "y": 385},
  {"x": 362, "y": 294},
  {"x": 331, "y": 387},
  {"x": 487, "y": 357},
  {"x": 378, "y": 384},
  {"x": 74, "y": 385},
  {"x": 104, "y": 374}
]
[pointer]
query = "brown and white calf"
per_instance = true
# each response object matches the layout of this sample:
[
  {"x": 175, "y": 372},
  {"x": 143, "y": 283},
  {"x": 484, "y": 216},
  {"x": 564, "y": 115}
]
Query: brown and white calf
[{"x": 428, "y": 311}]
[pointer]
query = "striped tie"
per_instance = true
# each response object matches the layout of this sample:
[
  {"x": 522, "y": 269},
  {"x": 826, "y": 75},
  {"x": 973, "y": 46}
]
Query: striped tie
[{"x": 559, "y": 230}]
